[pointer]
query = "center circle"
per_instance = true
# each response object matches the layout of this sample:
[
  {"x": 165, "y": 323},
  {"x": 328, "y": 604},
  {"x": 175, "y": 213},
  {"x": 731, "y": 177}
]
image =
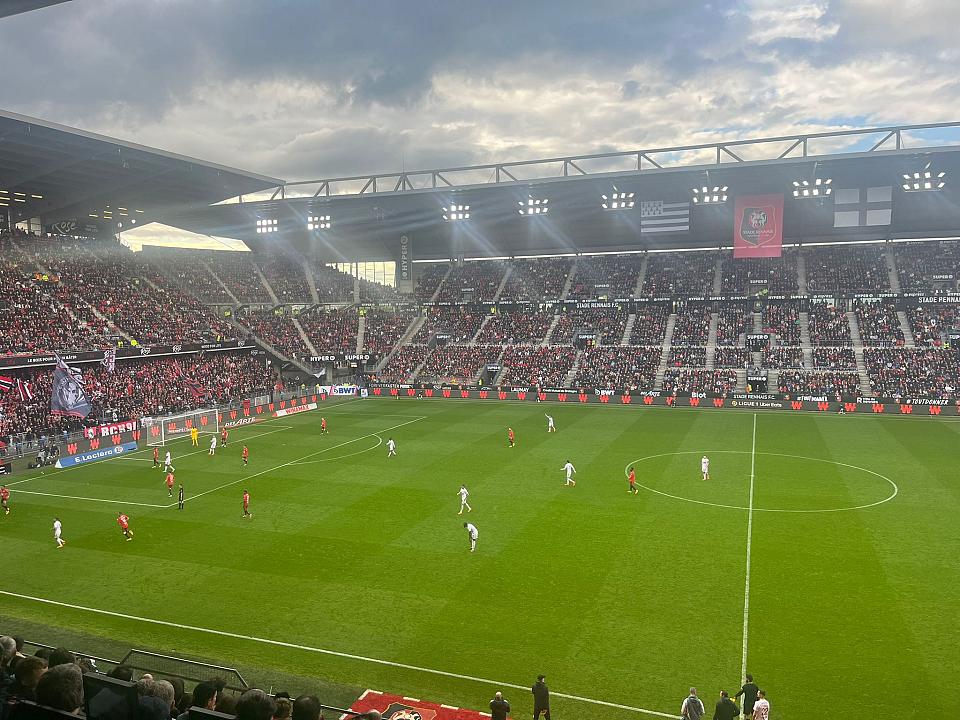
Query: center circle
[{"x": 893, "y": 488}]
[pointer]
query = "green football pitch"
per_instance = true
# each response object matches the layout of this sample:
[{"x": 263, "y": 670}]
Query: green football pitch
[{"x": 821, "y": 555}]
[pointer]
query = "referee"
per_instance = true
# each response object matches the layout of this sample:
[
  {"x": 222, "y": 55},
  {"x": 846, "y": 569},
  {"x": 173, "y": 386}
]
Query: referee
[{"x": 180, "y": 497}]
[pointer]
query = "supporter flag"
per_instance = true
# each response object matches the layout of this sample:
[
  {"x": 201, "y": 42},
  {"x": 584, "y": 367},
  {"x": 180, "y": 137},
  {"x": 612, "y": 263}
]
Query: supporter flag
[
  {"x": 657, "y": 216},
  {"x": 68, "y": 396},
  {"x": 6, "y": 383},
  {"x": 110, "y": 360},
  {"x": 196, "y": 389},
  {"x": 25, "y": 390},
  {"x": 862, "y": 207},
  {"x": 758, "y": 226}
]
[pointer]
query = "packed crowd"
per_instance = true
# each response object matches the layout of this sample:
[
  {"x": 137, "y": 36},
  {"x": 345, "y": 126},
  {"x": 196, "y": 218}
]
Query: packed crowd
[
  {"x": 609, "y": 325},
  {"x": 828, "y": 325},
  {"x": 630, "y": 368},
  {"x": 477, "y": 279},
  {"x": 236, "y": 270},
  {"x": 833, "y": 384},
  {"x": 537, "y": 279},
  {"x": 460, "y": 323},
  {"x": 536, "y": 366},
  {"x": 605, "y": 276},
  {"x": 879, "y": 323},
  {"x": 332, "y": 331},
  {"x": 687, "y": 356},
  {"x": 277, "y": 330},
  {"x": 718, "y": 382},
  {"x": 777, "y": 275},
  {"x": 783, "y": 357},
  {"x": 928, "y": 266},
  {"x": 692, "y": 325},
  {"x": 650, "y": 325},
  {"x": 286, "y": 277},
  {"x": 732, "y": 324},
  {"x": 857, "y": 269},
  {"x": 930, "y": 322},
  {"x": 458, "y": 363},
  {"x": 732, "y": 357},
  {"x": 675, "y": 274},
  {"x": 782, "y": 320},
  {"x": 332, "y": 285},
  {"x": 403, "y": 363},
  {"x": 185, "y": 270},
  {"x": 519, "y": 327},
  {"x": 382, "y": 330},
  {"x": 834, "y": 358},
  {"x": 428, "y": 280},
  {"x": 913, "y": 372},
  {"x": 138, "y": 388}
]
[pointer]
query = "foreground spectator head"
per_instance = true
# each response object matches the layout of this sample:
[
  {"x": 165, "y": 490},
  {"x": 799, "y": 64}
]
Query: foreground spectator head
[
  {"x": 44, "y": 653},
  {"x": 121, "y": 672},
  {"x": 163, "y": 689},
  {"x": 284, "y": 706},
  {"x": 8, "y": 648},
  {"x": 205, "y": 695},
  {"x": 61, "y": 656},
  {"x": 61, "y": 687},
  {"x": 152, "y": 708},
  {"x": 29, "y": 671},
  {"x": 145, "y": 686},
  {"x": 307, "y": 707},
  {"x": 255, "y": 704},
  {"x": 226, "y": 704},
  {"x": 177, "y": 691}
]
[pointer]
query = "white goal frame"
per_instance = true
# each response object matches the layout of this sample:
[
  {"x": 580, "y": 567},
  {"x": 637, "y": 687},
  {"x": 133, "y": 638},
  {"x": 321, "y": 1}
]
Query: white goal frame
[{"x": 161, "y": 431}]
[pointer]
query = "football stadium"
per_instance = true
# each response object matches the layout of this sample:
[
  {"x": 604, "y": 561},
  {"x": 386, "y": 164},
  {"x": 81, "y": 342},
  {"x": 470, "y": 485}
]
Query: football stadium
[{"x": 659, "y": 430}]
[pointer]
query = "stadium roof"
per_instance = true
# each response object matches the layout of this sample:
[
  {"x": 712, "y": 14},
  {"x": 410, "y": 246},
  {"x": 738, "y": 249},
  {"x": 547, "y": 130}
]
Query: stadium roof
[
  {"x": 60, "y": 173},
  {"x": 15, "y": 7},
  {"x": 368, "y": 214}
]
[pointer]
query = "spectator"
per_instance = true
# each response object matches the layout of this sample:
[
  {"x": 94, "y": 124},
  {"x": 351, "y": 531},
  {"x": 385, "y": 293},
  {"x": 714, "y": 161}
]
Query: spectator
[
  {"x": 499, "y": 708},
  {"x": 255, "y": 704},
  {"x": 151, "y": 707},
  {"x": 61, "y": 687},
  {"x": 692, "y": 708},
  {"x": 284, "y": 706},
  {"x": 204, "y": 696},
  {"x": 541, "y": 698},
  {"x": 61, "y": 656},
  {"x": 307, "y": 707},
  {"x": 726, "y": 709},
  {"x": 28, "y": 673}
]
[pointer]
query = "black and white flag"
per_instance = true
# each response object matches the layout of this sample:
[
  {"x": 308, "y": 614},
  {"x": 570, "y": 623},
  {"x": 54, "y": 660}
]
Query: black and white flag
[
  {"x": 657, "y": 216},
  {"x": 68, "y": 397},
  {"x": 862, "y": 207}
]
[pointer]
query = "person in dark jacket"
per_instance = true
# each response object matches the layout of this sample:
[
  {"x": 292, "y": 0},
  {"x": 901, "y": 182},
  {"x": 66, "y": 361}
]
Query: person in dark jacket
[
  {"x": 541, "y": 699},
  {"x": 726, "y": 709},
  {"x": 749, "y": 692},
  {"x": 499, "y": 708}
]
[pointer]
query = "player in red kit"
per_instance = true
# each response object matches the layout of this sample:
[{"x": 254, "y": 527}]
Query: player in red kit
[
  {"x": 246, "y": 455},
  {"x": 156, "y": 457},
  {"x": 246, "y": 505},
  {"x": 170, "y": 481},
  {"x": 5, "y": 499},
  {"x": 223, "y": 438},
  {"x": 632, "y": 479},
  {"x": 510, "y": 437},
  {"x": 124, "y": 522},
  {"x": 323, "y": 426}
]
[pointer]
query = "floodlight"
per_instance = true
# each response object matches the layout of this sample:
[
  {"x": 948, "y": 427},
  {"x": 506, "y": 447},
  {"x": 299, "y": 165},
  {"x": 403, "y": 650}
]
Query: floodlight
[
  {"x": 819, "y": 187},
  {"x": 318, "y": 222},
  {"x": 455, "y": 213},
  {"x": 267, "y": 225},
  {"x": 924, "y": 180},
  {"x": 705, "y": 195},
  {"x": 618, "y": 201},
  {"x": 533, "y": 206}
]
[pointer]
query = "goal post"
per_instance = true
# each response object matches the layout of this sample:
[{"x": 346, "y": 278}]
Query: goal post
[{"x": 161, "y": 431}]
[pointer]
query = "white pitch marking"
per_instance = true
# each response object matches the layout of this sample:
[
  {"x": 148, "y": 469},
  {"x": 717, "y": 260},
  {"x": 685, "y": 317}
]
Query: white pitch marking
[
  {"x": 89, "y": 499},
  {"x": 746, "y": 582},
  {"x": 341, "y": 457}
]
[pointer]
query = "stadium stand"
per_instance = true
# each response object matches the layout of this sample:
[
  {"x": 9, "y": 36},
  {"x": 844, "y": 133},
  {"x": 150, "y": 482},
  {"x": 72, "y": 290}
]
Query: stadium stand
[
  {"x": 537, "y": 279},
  {"x": 828, "y": 325},
  {"x": 620, "y": 367},
  {"x": 680, "y": 274},
  {"x": 928, "y": 266},
  {"x": 777, "y": 275},
  {"x": 516, "y": 328},
  {"x": 835, "y": 269},
  {"x": 537, "y": 366},
  {"x": 605, "y": 276}
]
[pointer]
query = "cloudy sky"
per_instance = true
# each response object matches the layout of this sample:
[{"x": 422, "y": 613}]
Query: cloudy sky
[{"x": 302, "y": 89}]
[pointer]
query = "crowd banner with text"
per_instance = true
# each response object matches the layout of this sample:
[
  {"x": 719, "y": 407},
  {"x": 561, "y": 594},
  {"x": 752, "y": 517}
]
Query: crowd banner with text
[{"x": 758, "y": 226}]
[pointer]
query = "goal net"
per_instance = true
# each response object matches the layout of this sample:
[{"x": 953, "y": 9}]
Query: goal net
[{"x": 160, "y": 431}]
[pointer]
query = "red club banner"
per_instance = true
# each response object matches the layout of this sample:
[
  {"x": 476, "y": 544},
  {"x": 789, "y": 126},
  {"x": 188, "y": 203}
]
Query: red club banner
[{"x": 758, "y": 226}]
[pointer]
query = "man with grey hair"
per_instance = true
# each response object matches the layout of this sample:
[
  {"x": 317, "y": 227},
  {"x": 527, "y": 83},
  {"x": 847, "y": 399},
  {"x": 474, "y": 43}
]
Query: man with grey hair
[
  {"x": 692, "y": 708},
  {"x": 8, "y": 649},
  {"x": 61, "y": 687},
  {"x": 499, "y": 708}
]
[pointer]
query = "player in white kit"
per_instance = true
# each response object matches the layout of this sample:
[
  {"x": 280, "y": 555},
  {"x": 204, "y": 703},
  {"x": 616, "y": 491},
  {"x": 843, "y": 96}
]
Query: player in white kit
[
  {"x": 464, "y": 494},
  {"x": 167, "y": 462},
  {"x": 57, "y": 533},
  {"x": 550, "y": 426},
  {"x": 213, "y": 445},
  {"x": 705, "y": 467},
  {"x": 570, "y": 470},
  {"x": 391, "y": 448},
  {"x": 473, "y": 533}
]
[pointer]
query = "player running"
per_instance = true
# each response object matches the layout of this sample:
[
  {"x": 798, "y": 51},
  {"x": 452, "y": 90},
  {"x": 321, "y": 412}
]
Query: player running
[
  {"x": 632, "y": 479},
  {"x": 5, "y": 499},
  {"x": 323, "y": 426},
  {"x": 194, "y": 437},
  {"x": 246, "y": 504},
  {"x": 570, "y": 470},
  {"x": 213, "y": 446},
  {"x": 550, "y": 426},
  {"x": 124, "y": 522},
  {"x": 58, "y": 533},
  {"x": 170, "y": 481},
  {"x": 464, "y": 494},
  {"x": 156, "y": 457},
  {"x": 511, "y": 438},
  {"x": 167, "y": 462},
  {"x": 245, "y": 455},
  {"x": 180, "y": 497},
  {"x": 705, "y": 467},
  {"x": 473, "y": 534},
  {"x": 391, "y": 448},
  {"x": 223, "y": 437}
]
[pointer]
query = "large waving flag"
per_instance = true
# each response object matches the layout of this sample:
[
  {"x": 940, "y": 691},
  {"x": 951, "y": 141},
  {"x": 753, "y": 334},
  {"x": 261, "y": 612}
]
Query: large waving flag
[{"x": 68, "y": 397}]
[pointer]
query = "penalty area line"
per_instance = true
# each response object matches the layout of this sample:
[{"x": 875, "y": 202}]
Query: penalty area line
[{"x": 324, "y": 651}]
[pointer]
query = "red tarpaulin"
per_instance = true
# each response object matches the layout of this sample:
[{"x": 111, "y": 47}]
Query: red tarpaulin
[{"x": 758, "y": 226}]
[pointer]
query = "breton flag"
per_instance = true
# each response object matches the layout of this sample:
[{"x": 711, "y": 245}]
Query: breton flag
[
  {"x": 25, "y": 390},
  {"x": 6, "y": 383},
  {"x": 862, "y": 207},
  {"x": 657, "y": 216}
]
